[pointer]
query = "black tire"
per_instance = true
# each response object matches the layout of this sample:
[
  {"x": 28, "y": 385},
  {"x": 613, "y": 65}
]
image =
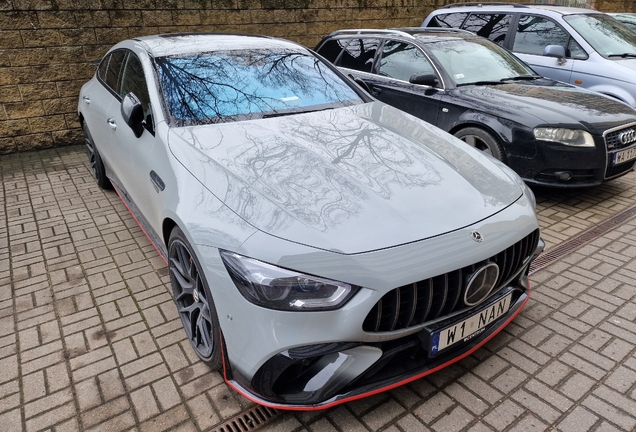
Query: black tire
[
  {"x": 482, "y": 140},
  {"x": 194, "y": 301},
  {"x": 95, "y": 161}
]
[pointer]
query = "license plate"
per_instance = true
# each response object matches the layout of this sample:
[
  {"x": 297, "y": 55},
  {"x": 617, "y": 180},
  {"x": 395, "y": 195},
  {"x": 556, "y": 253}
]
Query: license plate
[
  {"x": 624, "y": 155},
  {"x": 470, "y": 327}
]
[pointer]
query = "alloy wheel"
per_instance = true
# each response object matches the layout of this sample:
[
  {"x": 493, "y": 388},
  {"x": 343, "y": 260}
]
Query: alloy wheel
[{"x": 192, "y": 299}]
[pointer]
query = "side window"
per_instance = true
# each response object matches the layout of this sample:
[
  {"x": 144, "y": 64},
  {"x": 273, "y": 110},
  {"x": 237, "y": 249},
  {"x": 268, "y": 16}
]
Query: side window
[
  {"x": 103, "y": 67},
  {"x": 359, "y": 54},
  {"x": 451, "y": 20},
  {"x": 534, "y": 33},
  {"x": 575, "y": 51},
  {"x": 332, "y": 48},
  {"x": 491, "y": 26},
  {"x": 402, "y": 60},
  {"x": 134, "y": 80},
  {"x": 113, "y": 71}
]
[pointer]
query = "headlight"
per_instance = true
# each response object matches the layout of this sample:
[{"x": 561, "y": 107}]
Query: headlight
[
  {"x": 570, "y": 137},
  {"x": 278, "y": 288}
]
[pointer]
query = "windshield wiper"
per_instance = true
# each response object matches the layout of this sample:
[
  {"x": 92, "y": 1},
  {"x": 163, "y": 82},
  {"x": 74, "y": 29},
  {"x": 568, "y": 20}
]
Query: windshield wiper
[
  {"x": 624, "y": 55},
  {"x": 522, "y": 78},
  {"x": 480, "y": 83},
  {"x": 297, "y": 111}
]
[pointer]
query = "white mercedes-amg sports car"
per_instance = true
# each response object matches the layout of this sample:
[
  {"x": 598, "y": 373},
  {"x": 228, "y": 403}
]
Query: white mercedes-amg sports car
[{"x": 322, "y": 245}]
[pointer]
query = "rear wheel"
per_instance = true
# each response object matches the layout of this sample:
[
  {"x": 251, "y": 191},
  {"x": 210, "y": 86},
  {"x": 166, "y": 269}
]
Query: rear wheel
[
  {"x": 95, "y": 161},
  {"x": 481, "y": 140},
  {"x": 194, "y": 301}
]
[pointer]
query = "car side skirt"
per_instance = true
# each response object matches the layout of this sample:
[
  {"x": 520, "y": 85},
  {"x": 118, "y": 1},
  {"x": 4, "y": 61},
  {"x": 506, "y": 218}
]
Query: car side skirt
[{"x": 141, "y": 221}]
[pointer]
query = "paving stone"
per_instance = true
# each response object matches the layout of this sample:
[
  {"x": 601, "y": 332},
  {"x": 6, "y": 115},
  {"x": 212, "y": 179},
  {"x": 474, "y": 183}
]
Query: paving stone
[
  {"x": 322, "y": 425},
  {"x": 503, "y": 415},
  {"x": 345, "y": 421},
  {"x": 383, "y": 415},
  {"x": 529, "y": 423},
  {"x": 553, "y": 373},
  {"x": 104, "y": 412},
  {"x": 509, "y": 380},
  {"x": 605, "y": 410},
  {"x": 548, "y": 395},
  {"x": 50, "y": 418},
  {"x": 543, "y": 410},
  {"x": 481, "y": 388},
  {"x": 454, "y": 421},
  {"x": 166, "y": 393},
  {"x": 227, "y": 402},
  {"x": 143, "y": 401},
  {"x": 576, "y": 386}
]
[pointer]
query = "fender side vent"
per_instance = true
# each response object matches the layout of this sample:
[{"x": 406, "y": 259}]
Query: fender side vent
[{"x": 249, "y": 420}]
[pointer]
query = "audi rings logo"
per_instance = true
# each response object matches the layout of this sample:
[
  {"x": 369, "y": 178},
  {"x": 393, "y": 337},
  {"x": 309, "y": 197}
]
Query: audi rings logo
[
  {"x": 476, "y": 235},
  {"x": 480, "y": 284},
  {"x": 627, "y": 137}
]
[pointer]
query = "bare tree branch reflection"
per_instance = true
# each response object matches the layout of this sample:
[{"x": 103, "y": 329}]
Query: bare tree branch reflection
[{"x": 227, "y": 86}]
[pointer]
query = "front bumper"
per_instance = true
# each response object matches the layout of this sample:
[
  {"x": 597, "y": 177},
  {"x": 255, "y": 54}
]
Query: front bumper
[
  {"x": 322, "y": 376},
  {"x": 557, "y": 165}
]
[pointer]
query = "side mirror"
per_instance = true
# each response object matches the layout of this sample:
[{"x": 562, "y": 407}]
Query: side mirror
[
  {"x": 133, "y": 113},
  {"x": 424, "y": 79},
  {"x": 554, "y": 51}
]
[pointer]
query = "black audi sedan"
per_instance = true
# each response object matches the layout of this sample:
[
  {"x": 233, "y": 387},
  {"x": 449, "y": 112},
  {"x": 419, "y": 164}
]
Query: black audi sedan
[{"x": 549, "y": 132}]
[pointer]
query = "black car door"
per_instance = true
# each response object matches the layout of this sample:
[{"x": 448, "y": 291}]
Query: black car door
[{"x": 397, "y": 63}]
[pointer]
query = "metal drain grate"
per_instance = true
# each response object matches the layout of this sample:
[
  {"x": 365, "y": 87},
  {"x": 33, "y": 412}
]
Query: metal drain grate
[
  {"x": 250, "y": 420},
  {"x": 587, "y": 236}
]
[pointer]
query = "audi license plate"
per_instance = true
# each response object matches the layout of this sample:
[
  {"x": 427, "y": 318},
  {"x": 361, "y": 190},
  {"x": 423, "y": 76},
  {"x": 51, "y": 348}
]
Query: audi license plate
[
  {"x": 470, "y": 327},
  {"x": 624, "y": 155}
]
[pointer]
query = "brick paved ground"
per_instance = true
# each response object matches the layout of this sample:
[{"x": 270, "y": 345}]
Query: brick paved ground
[{"x": 89, "y": 337}]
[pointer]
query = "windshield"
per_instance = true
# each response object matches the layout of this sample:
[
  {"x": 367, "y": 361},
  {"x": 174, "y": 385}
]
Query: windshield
[
  {"x": 244, "y": 84},
  {"x": 604, "y": 33},
  {"x": 477, "y": 60}
]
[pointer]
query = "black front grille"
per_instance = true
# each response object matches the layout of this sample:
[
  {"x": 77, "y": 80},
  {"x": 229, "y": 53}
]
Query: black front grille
[
  {"x": 413, "y": 304},
  {"x": 617, "y": 170},
  {"x": 613, "y": 142}
]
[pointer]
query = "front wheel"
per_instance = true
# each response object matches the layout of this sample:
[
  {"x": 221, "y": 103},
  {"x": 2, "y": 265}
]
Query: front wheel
[
  {"x": 194, "y": 302},
  {"x": 482, "y": 140}
]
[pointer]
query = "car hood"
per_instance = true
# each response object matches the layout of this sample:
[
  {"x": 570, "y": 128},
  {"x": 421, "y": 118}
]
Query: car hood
[
  {"x": 629, "y": 63},
  {"x": 349, "y": 180},
  {"x": 547, "y": 102}
]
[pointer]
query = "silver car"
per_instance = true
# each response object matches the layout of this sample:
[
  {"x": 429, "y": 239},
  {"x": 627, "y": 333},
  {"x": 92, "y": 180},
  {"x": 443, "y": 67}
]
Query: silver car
[
  {"x": 579, "y": 46},
  {"x": 322, "y": 246}
]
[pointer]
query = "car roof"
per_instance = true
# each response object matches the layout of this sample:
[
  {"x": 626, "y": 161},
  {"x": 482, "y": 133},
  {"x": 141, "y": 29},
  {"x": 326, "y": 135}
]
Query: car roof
[
  {"x": 495, "y": 6},
  {"x": 189, "y": 43}
]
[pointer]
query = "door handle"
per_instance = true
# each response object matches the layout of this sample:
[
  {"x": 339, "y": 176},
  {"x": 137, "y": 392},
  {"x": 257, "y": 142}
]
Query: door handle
[
  {"x": 87, "y": 100},
  {"x": 111, "y": 123}
]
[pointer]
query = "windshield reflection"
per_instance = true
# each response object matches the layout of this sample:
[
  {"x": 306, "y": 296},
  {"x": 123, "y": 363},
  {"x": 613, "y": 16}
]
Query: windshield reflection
[
  {"x": 470, "y": 61},
  {"x": 243, "y": 84},
  {"x": 607, "y": 36}
]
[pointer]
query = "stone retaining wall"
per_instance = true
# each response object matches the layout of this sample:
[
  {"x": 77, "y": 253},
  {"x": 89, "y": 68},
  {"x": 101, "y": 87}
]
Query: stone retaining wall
[{"x": 46, "y": 46}]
